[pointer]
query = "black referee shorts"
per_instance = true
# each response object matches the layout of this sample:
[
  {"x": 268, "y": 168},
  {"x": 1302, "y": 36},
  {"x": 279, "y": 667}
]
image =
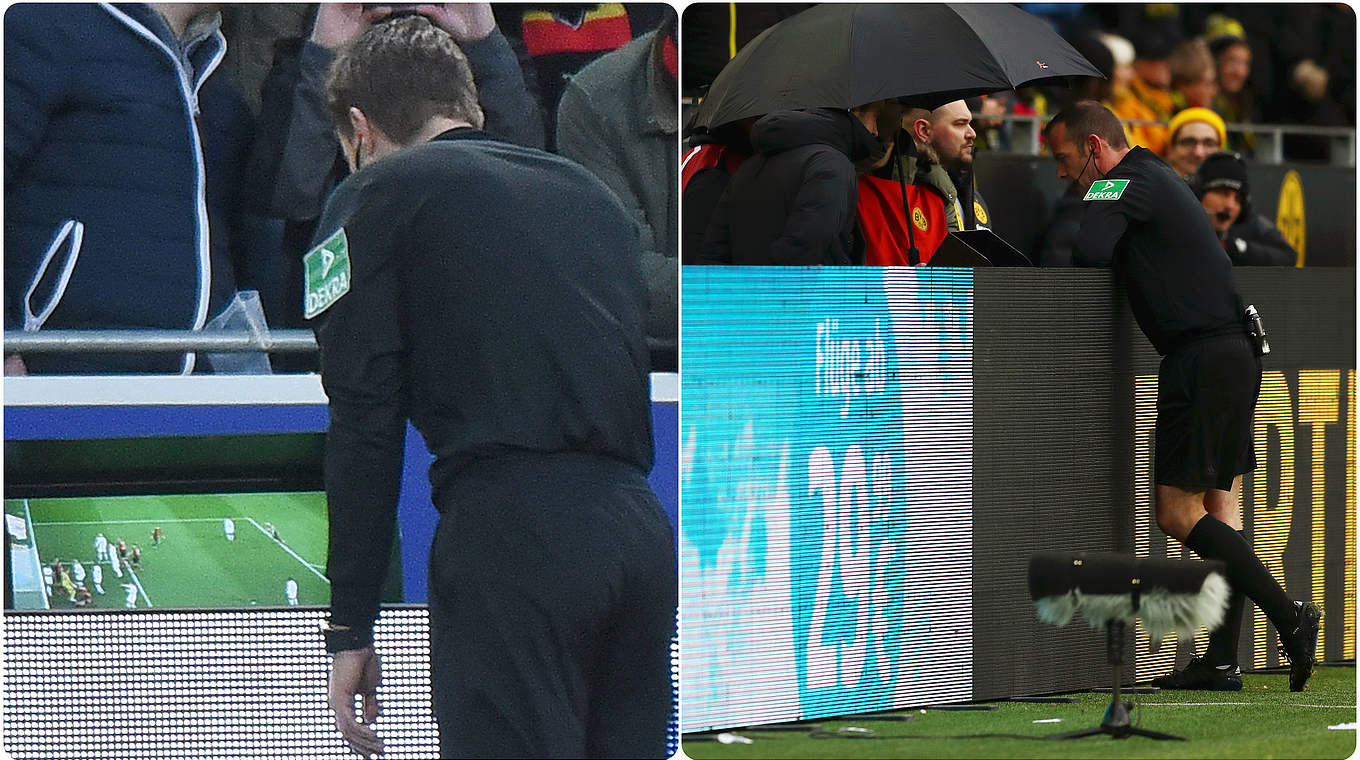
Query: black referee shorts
[
  {"x": 1206, "y": 397},
  {"x": 552, "y": 605}
]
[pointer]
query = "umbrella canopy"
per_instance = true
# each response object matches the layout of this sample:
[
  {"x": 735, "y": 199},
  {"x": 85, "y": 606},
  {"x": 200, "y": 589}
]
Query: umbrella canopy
[{"x": 847, "y": 54}]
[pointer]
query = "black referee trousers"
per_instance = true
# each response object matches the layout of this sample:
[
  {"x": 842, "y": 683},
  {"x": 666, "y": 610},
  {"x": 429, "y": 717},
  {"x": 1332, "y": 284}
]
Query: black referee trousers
[{"x": 552, "y": 604}]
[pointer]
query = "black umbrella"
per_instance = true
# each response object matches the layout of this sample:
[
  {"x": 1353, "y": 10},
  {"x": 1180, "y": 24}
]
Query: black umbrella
[{"x": 847, "y": 54}]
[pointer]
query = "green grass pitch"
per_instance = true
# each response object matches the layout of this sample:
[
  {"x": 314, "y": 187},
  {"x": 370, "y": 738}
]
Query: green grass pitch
[
  {"x": 1264, "y": 720},
  {"x": 194, "y": 565}
]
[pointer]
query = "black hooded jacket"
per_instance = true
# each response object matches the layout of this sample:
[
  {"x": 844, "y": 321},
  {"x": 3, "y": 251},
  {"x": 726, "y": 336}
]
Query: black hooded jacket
[
  {"x": 1254, "y": 242},
  {"x": 793, "y": 202}
]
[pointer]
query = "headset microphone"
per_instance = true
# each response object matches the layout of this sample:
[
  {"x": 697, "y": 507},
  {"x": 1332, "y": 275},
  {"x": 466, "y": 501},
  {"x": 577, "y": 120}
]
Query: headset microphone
[
  {"x": 1223, "y": 216},
  {"x": 1083, "y": 166}
]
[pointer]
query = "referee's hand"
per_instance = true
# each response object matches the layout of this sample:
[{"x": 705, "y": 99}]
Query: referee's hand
[{"x": 356, "y": 672}]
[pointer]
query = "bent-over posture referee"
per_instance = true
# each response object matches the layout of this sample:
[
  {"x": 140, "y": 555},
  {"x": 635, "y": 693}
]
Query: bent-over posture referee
[
  {"x": 492, "y": 294},
  {"x": 1142, "y": 219}
]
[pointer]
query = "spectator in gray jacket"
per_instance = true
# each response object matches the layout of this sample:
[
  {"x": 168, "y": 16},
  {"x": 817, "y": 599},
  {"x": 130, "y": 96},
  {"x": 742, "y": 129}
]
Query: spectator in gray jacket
[{"x": 618, "y": 118}]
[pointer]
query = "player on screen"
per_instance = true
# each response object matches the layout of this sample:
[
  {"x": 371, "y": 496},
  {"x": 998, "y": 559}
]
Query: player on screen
[
  {"x": 290, "y": 590},
  {"x": 49, "y": 579},
  {"x": 58, "y": 571},
  {"x": 122, "y": 549},
  {"x": 130, "y": 600},
  {"x": 78, "y": 573},
  {"x": 116, "y": 564},
  {"x": 229, "y": 528},
  {"x": 272, "y": 531},
  {"x": 136, "y": 557},
  {"x": 156, "y": 536},
  {"x": 97, "y": 578},
  {"x": 101, "y": 548},
  {"x": 67, "y": 584}
]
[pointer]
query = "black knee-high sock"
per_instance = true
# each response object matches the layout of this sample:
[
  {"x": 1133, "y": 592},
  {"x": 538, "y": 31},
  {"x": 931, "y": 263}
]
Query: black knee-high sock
[
  {"x": 1223, "y": 640},
  {"x": 1211, "y": 538}
]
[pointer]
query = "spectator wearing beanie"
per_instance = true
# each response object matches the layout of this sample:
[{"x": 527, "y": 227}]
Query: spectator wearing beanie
[
  {"x": 1222, "y": 186},
  {"x": 1125, "y": 103},
  {"x": 1227, "y": 41},
  {"x": 1194, "y": 134},
  {"x": 1236, "y": 100}
]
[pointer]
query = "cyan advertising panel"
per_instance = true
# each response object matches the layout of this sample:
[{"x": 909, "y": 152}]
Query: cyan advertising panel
[{"x": 826, "y": 455}]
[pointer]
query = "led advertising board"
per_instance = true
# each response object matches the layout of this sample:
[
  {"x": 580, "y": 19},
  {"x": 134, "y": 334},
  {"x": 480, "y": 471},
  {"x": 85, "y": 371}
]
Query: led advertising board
[{"x": 826, "y": 477}]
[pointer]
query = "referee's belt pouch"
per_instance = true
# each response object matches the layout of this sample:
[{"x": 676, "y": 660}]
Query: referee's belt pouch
[{"x": 1256, "y": 330}]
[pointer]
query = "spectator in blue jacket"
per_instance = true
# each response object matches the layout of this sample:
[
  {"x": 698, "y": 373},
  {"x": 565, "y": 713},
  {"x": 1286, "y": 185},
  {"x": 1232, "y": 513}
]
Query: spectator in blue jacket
[{"x": 122, "y": 159}]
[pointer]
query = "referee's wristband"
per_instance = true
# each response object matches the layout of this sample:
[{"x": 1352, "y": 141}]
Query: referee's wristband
[{"x": 343, "y": 638}]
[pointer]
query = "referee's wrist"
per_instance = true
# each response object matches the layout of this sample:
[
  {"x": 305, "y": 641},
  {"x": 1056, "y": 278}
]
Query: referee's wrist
[{"x": 343, "y": 638}]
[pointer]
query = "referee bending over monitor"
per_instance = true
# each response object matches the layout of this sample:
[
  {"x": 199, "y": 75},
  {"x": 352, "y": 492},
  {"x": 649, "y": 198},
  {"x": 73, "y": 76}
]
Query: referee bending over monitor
[
  {"x": 1142, "y": 219},
  {"x": 493, "y": 295}
]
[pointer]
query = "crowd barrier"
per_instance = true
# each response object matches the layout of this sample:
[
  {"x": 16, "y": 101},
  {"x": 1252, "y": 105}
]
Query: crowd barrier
[
  {"x": 1025, "y": 133},
  {"x": 870, "y": 457}
]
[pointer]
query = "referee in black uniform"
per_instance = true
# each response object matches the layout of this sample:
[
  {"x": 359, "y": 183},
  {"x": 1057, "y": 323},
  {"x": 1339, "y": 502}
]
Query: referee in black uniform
[
  {"x": 1142, "y": 219},
  {"x": 492, "y": 295}
]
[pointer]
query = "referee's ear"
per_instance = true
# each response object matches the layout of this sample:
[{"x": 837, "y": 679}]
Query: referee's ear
[
  {"x": 361, "y": 127},
  {"x": 360, "y": 140}
]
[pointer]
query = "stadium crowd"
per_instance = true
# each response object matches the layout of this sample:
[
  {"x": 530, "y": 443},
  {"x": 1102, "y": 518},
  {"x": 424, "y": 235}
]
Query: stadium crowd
[
  {"x": 1188, "y": 81},
  {"x": 166, "y": 164}
]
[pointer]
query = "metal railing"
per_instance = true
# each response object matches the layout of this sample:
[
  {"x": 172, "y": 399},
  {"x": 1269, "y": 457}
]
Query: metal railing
[
  {"x": 1269, "y": 137},
  {"x": 157, "y": 341},
  {"x": 178, "y": 341}
]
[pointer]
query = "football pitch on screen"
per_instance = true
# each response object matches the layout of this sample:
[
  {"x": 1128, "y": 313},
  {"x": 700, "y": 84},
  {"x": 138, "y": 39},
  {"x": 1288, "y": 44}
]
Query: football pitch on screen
[
  {"x": 194, "y": 564},
  {"x": 1264, "y": 720}
]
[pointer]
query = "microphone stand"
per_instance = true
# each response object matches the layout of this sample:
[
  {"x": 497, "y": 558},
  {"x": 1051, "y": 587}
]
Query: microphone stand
[{"x": 1116, "y": 722}]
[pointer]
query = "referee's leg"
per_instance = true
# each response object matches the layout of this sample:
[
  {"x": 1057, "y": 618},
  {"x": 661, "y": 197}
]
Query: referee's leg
[
  {"x": 1206, "y": 394},
  {"x": 1181, "y": 514},
  {"x": 1226, "y": 507},
  {"x": 630, "y": 700}
]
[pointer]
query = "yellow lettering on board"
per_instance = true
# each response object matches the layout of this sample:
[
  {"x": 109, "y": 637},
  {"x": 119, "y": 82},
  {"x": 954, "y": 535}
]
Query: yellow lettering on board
[
  {"x": 1319, "y": 406},
  {"x": 1270, "y": 526}
]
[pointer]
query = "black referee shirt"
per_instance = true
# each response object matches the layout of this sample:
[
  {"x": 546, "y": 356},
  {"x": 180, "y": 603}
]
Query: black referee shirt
[
  {"x": 1142, "y": 218},
  {"x": 493, "y": 295}
]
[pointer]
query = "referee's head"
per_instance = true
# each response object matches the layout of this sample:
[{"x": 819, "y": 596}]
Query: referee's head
[
  {"x": 404, "y": 81},
  {"x": 1087, "y": 140}
]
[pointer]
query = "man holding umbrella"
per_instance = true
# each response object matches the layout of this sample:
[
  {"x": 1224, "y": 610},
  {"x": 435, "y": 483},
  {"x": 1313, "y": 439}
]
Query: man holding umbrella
[
  {"x": 845, "y": 55},
  {"x": 1142, "y": 219}
]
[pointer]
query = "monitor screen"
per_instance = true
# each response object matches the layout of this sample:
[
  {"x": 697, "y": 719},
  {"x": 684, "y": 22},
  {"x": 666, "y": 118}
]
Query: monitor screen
[{"x": 200, "y": 550}]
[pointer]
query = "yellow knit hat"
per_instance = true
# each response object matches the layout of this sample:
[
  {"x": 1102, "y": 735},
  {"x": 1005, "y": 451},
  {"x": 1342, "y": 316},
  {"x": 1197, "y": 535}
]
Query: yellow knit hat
[{"x": 1198, "y": 114}]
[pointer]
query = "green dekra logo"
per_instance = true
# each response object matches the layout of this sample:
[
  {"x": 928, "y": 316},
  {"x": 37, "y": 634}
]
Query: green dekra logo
[
  {"x": 1106, "y": 190},
  {"x": 327, "y": 274}
]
